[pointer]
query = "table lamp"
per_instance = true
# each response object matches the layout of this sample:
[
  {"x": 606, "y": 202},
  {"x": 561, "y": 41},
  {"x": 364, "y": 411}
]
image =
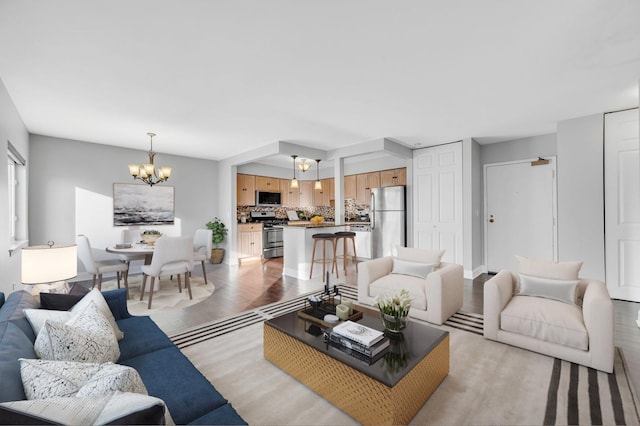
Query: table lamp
[{"x": 47, "y": 266}]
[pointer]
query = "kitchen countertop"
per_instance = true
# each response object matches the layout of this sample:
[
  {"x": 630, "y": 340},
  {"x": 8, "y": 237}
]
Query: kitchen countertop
[{"x": 307, "y": 224}]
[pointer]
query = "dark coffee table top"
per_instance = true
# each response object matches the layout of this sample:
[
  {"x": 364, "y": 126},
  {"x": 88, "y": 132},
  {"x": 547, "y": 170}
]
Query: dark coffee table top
[{"x": 405, "y": 351}]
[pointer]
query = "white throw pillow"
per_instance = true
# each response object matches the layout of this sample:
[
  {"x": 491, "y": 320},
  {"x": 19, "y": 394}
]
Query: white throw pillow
[
  {"x": 561, "y": 290},
  {"x": 414, "y": 269},
  {"x": 87, "y": 337},
  {"x": 37, "y": 317},
  {"x": 548, "y": 269},
  {"x": 96, "y": 297},
  {"x": 420, "y": 255},
  {"x": 97, "y": 410},
  {"x": 46, "y": 379}
]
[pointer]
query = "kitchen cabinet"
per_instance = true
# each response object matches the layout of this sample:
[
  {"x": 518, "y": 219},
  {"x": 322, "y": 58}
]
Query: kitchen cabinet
[
  {"x": 264, "y": 183},
  {"x": 393, "y": 177},
  {"x": 323, "y": 197},
  {"x": 306, "y": 193},
  {"x": 364, "y": 183},
  {"x": 290, "y": 197},
  {"x": 249, "y": 240},
  {"x": 246, "y": 190},
  {"x": 350, "y": 186}
]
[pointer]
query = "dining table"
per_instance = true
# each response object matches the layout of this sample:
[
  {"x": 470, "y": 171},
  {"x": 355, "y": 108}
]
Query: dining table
[{"x": 135, "y": 249}]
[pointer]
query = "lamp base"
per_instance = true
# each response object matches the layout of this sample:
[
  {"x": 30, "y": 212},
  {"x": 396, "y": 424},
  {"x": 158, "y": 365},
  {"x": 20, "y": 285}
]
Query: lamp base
[{"x": 57, "y": 287}]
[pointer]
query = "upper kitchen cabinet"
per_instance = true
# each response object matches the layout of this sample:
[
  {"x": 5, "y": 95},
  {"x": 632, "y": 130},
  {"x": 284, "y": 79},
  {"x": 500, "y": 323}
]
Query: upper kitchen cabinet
[
  {"x": 264, "y": 183},
  {"x": 393, "y": 177},
  {"x": 290, "y": 197},
  {"x": 306, "y": 193},
  {"x": 323, "y": 197},
  {"x": 365, "y": 182},
  {"x": 350, "y": 186},
  {"x": 246, "y": 190}
]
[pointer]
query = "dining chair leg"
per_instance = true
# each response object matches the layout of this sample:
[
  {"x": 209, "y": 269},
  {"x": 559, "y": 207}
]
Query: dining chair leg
[
  {"x": 179, "y": 284},
  {"x": 153, "y": 279},
  {"x": 204, "y": 273},
  {"x": 144, "y": 283},
  {"x": 187, "y": 283},
  {"x": 99, "y": 282},
  {"x": 94, "y": 282},
  {"x": 126, "y": 282}
]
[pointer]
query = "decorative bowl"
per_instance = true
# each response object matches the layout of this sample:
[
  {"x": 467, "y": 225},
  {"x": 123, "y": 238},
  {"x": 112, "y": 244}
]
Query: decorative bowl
[{"x": 150, "y": 239}]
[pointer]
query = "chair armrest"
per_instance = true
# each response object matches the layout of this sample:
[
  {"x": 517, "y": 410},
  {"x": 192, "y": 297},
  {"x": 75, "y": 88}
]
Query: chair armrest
[
  {"x": 117, "y": 301},
  {"x": 444, "y": 292},
  {"x": 497, "y": 293},
  {"x": 597, "y": 311},
  {"x": 370, "y": 271}
]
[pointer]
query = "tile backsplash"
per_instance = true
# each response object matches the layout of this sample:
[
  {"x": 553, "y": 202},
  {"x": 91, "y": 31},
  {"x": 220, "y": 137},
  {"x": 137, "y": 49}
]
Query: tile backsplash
[{"x": 351, "y": 208}]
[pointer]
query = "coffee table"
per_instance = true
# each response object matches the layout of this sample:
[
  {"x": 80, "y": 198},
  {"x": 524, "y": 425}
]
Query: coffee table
[{"x": 389, "y": 391}]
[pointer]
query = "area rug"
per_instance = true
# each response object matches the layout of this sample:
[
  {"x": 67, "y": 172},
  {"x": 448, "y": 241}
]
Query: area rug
[
  {"x": 166, "y": 298},
  {"x": 489, "y": 383}
]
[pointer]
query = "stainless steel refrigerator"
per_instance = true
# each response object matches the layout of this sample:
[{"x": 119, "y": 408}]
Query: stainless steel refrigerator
[{"x": 388, "y": 219}]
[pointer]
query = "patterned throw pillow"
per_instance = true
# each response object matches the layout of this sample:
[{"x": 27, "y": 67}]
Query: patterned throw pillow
[
  {"x": 46, "y": 379},
  {"x": 117, "y": 408},
  {"x": 98, "y": 299},
  {"x": 87, "y": 337}
]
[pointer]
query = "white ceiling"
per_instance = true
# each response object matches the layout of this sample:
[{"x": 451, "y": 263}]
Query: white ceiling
[{"x": 217, "y": 78}]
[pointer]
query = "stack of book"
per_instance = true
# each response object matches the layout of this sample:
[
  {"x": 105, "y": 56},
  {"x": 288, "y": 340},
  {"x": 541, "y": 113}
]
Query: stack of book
[{"x": 363, "y": 343}]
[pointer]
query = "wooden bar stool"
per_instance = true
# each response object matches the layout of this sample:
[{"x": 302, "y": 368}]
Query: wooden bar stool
[
  {"x": 324, "y": 238},
  {"x": 347, "y": 235}
]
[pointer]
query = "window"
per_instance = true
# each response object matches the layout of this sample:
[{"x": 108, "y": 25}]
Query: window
[{"x": 16, "y": 174}]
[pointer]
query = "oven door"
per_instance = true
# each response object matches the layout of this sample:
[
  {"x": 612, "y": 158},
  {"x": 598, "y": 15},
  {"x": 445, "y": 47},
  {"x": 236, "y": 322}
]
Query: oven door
[{"x": 272, "y": 239}]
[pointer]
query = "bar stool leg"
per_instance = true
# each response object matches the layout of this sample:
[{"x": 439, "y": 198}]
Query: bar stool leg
[
  {"x": 355, "y": 256},
  {"x": 334, "y": 261},
  {"x": 313, "y": 257}
]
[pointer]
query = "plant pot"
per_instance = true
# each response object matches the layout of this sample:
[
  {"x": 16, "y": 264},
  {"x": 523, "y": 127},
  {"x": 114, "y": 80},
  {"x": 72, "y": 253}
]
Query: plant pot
[
  {"x": 217, "y": 254},
  {"x": 150, "y": 239}
]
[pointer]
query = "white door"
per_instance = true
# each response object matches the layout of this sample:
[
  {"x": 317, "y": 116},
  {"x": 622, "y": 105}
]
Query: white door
[
  {"x": 437, "y": 195},
  {"x": 622, "y": 204},
  {"x": 520, "y": 212}
]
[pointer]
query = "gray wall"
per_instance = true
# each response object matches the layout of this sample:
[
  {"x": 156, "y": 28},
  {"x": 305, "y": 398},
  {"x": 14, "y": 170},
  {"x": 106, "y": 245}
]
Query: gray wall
[
  {"x": 11, "y": 129},
  {"x": 581, "y": 193},
  {"x": 518, "y": 149},
  {"x": 69, "y": 178}
]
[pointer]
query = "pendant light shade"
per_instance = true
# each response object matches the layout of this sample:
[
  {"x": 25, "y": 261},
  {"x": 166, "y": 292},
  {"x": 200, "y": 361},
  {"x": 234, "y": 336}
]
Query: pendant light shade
[
  {"x": 318, "y": 184},
  {"x": 294, "y": 181}
]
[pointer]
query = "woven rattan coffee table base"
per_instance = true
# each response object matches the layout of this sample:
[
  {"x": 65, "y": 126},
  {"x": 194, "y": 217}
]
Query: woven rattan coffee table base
[{"x": 363, "y": 398}]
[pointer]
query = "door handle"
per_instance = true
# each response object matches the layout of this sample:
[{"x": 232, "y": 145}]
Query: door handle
[{"x": 491, "y": 218}]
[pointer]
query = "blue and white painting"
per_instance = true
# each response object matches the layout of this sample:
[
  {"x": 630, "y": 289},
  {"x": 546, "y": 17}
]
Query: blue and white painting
[{"x": 142, "y": 205}]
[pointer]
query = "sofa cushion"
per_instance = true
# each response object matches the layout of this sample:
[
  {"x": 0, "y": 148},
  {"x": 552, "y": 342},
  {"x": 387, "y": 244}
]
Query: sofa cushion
[
  {"x": 46, "y": 379},
  {"x": 546, "y": 319},
  {"x": 12, "y": 311},
  {"x": 143, "y": 336},
  {"x": 549, "y": 269},
  {"x": 13, "y": 345},
  {"x": 225, "y": 415},
  {"x": 420, "y": 255},
  {"x": 116, "y": 408},
  {"x": 561, "y": 290},
  {"x": 87, "y": 337},
  {"x": 37, "y": 317},
  {"x": 167, "y": 373},
  {"x": 395, "y": 282},
  {"x": 414, "y": 269}
]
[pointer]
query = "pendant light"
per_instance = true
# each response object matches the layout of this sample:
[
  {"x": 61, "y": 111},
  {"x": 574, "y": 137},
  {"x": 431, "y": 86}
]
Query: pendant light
[
  {"x": 148, "y": 173},
  {"x": 318, "y": 184},
  {"x": 303, "y": 165},
  {"x": 294, "y": 181}
]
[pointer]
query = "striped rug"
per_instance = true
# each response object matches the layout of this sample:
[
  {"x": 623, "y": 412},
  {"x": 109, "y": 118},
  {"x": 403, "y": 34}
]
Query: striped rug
[{"x": 466, "y": 321}]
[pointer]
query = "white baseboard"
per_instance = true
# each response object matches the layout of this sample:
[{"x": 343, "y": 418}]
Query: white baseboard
[{"x": 469, "y": 275}]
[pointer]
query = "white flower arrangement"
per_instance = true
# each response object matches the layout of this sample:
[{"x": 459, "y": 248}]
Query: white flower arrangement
[{"x": 396, "y": 304}]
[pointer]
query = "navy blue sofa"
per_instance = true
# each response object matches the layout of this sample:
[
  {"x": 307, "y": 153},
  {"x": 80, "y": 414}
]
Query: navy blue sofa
[{"x": 165, "y": 371}]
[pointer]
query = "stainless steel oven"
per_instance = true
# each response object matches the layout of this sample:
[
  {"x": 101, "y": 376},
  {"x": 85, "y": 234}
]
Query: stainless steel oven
[{"x": 272, "y": 242}]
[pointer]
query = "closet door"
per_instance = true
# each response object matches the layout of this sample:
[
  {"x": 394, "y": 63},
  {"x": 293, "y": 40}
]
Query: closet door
[
  {"x": 622, "y": 204},
  {"x": 437, "y": 194}
]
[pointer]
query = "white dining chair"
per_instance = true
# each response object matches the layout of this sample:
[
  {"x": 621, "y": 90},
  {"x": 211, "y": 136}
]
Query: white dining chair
[
  {"x": 99, "y": 267},
  {"x": 130, "y": 236},
  {"x": 171, "y": 256},
  {"x": 202, "y": 242}
]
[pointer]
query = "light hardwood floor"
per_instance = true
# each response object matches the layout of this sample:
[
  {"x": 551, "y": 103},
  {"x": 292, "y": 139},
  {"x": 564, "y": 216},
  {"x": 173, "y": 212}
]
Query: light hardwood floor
[{"x": 257, "y": 283}]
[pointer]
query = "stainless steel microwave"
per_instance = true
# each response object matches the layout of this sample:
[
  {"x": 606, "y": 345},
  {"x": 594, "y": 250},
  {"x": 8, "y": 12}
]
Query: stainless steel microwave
[{"x": 265, "y": 198}]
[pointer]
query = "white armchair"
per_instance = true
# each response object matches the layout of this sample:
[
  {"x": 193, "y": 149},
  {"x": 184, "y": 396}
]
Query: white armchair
[
  {"x": 436, "y": 295},
  {"x": 580, "y": 334},
  {"x": 202, "y": 242}
]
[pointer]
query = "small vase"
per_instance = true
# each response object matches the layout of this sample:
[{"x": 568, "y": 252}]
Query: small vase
[{"x": 393, "y": 323}]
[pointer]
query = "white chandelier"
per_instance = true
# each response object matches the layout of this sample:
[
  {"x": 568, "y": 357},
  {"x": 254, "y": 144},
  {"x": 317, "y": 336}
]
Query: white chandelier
[{"x": 148, "y": 172}]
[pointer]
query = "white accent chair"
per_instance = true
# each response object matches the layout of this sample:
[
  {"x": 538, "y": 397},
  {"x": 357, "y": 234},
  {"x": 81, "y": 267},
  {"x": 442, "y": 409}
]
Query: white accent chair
[
  {"x": 100, "y": 267},
  {"x": 171, "y": 256},
  {"x": 581, "y": 332},
  {"x": 436, "y": 295},
  {"x": 202, "y": 242}
]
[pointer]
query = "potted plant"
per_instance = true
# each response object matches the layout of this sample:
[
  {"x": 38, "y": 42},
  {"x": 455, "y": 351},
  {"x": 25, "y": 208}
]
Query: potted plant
[
  {"x": 219, "y": 231},
  {"x": 150, "y": 236}
]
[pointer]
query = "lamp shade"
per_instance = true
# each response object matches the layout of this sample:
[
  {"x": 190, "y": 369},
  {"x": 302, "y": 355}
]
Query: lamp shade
[{"x": 48, "y": 264}]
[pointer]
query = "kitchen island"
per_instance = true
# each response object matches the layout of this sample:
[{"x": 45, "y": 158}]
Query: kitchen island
[{"x": 298, "y": 246}]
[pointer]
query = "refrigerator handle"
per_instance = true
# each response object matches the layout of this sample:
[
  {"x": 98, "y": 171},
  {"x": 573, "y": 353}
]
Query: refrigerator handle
[{"x": 373, "y": 211}]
